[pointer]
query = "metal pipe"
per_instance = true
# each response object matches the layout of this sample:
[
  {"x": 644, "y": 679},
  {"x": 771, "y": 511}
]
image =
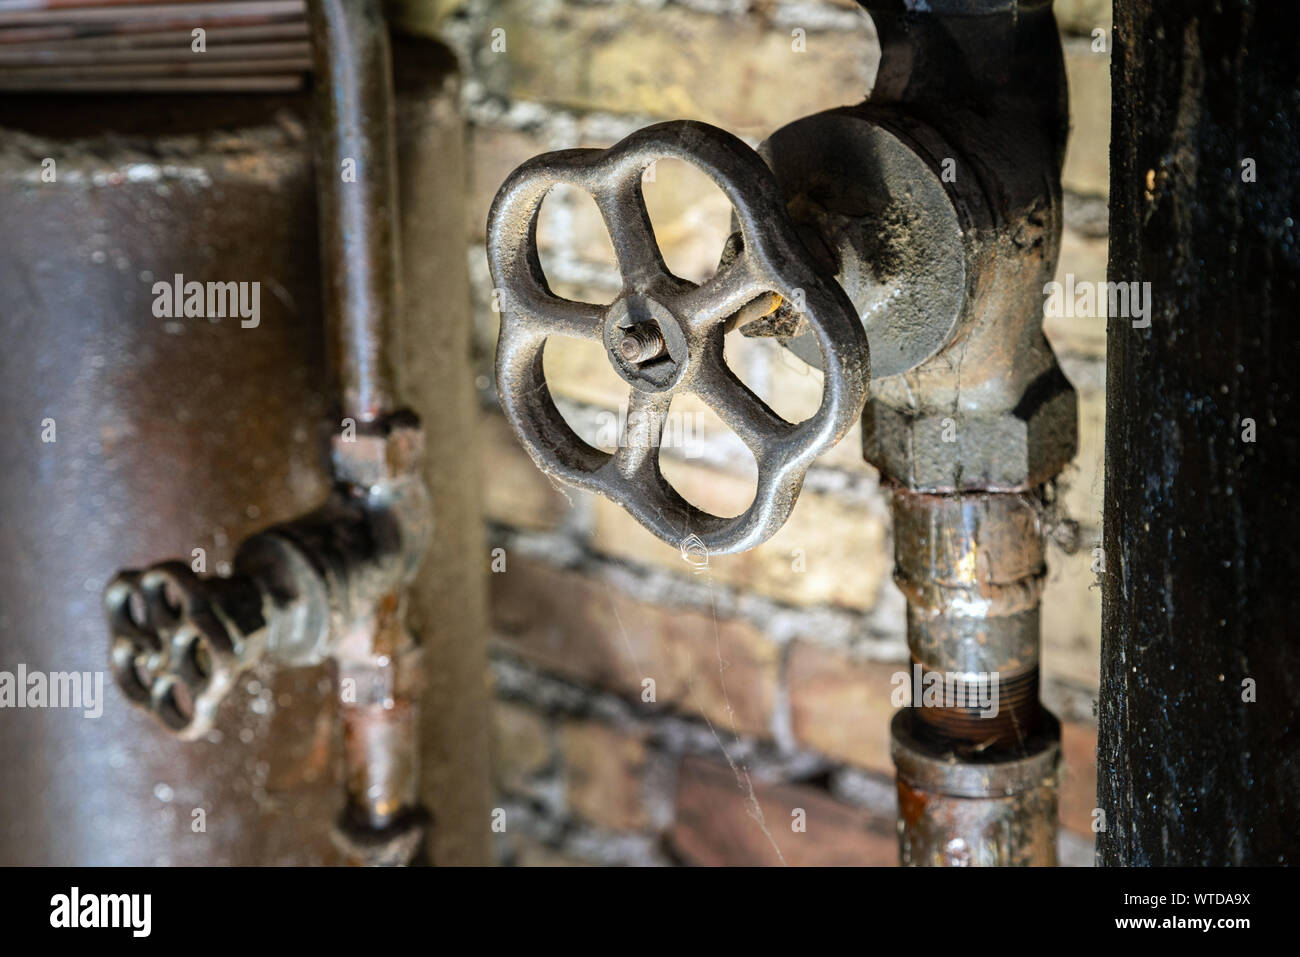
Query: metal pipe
[
  {"x": 969, "y": 438},
  {"x": 976, "y": 753},
  {"x": 332, "y": 583},
  {"x": 356, "y": 177},
  {"x": 380, "y": 668},
  {"x": 380, "y": 671}
]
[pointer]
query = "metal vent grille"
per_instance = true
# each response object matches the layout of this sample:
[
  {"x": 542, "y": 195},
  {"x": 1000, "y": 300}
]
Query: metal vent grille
[{"x": 142, "y": 46}]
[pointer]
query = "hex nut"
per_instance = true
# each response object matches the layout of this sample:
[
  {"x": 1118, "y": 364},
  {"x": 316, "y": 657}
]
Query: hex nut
[{"x": 964, "y": 451}]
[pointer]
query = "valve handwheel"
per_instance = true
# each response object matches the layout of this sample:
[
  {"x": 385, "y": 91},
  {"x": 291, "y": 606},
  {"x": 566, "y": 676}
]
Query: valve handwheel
[
  {"x": 177, "y": 640},
  {"x": 664, "y": 335}
]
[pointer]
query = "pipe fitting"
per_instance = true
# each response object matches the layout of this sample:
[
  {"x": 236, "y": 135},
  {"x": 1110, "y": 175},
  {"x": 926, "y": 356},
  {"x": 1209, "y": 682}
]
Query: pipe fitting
[
  {"x": 972, "y": 570},
  {"x": 987, "y": 809}
]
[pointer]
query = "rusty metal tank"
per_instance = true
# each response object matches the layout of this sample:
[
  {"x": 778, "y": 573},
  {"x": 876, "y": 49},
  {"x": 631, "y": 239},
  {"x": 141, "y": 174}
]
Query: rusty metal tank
[{"x": 129, "y": 436}]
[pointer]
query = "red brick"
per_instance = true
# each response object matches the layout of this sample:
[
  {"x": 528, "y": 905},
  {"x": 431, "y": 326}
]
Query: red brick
[
  {"x": 841, "y": 707},
  {"x": 604, "y": 770},
  {"x": 530, "y": 852},
  {"x": 578, "y": 626},
  {"x": 1078, "y": 777},
  {"x": 714, "y": 825}
]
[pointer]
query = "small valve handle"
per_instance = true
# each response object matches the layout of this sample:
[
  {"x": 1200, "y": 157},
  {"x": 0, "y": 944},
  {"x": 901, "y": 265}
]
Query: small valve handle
[
  {"x": 664, "y": 335},
  {"x": 300, "y": 592},
  {"x": 179, "y": 641}
]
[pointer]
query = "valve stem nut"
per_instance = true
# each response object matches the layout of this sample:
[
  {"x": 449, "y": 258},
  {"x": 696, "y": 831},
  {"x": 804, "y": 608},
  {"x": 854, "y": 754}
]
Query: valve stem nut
[{"x": 641, "y": 343}]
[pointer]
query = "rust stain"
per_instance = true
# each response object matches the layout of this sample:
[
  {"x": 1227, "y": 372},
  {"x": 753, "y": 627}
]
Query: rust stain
[{"x": 911, "y": 805}]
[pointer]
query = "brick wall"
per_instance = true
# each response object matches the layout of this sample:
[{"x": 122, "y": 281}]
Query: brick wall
[{"x": 771, "y": 669}]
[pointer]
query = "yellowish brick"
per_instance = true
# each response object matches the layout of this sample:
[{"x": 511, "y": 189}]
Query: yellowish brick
[
  {"x": 1087, "y": 160},
  {"x": 1085, "y": 260},
  {"x": 1071, "y": 618},
  {"x": 691, "y": 218},
  {"x": 784, "y": 381},
  {"x": 677, "y": 63},
  {"x": 794, "y": 390},
  {"x": 828, "y": 552},
  {"x": 690, "y": 215},
  {"x": 580, "y": 370},
  {"x": 421, "y": 16},
  {"x": 569, "y": 225},
  {"x": 1083, "y": 482},
  {"x": 493, "y": 155},
  {"x": 1082, "y": 16},
  {"x": 518, "y": 494}
]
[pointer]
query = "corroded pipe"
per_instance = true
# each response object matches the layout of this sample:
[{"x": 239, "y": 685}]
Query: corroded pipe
[
  {"x": 976, "y": 754},
  {"x": 379, "y": 662},
  {"x": 356, "y": 176},
  {"x": 969, "y": 437}
]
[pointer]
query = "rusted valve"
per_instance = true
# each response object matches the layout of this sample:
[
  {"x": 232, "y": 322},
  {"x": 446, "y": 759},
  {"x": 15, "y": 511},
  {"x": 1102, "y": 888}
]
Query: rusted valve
[
  {"x": 932, "y": 215},
  {"x": 180, "y": 642},
  {"x": 312, "y": 588},
  {"x": 664, "y": 335}
]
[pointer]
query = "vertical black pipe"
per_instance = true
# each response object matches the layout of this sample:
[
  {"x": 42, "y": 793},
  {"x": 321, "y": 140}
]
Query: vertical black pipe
[{"x": 1199, "y": 753}]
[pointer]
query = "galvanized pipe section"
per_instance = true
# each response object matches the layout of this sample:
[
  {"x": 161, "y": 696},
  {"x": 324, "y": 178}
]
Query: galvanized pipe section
[
  {"x": 382, "y": 777},
  {"x": 976, "y": 754},
  {"x": 356, "y": 178},
  {"x": 382, "y": 821},
  {"x": 967, "y": 809},
  {"x": 971, "y": 568}
]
